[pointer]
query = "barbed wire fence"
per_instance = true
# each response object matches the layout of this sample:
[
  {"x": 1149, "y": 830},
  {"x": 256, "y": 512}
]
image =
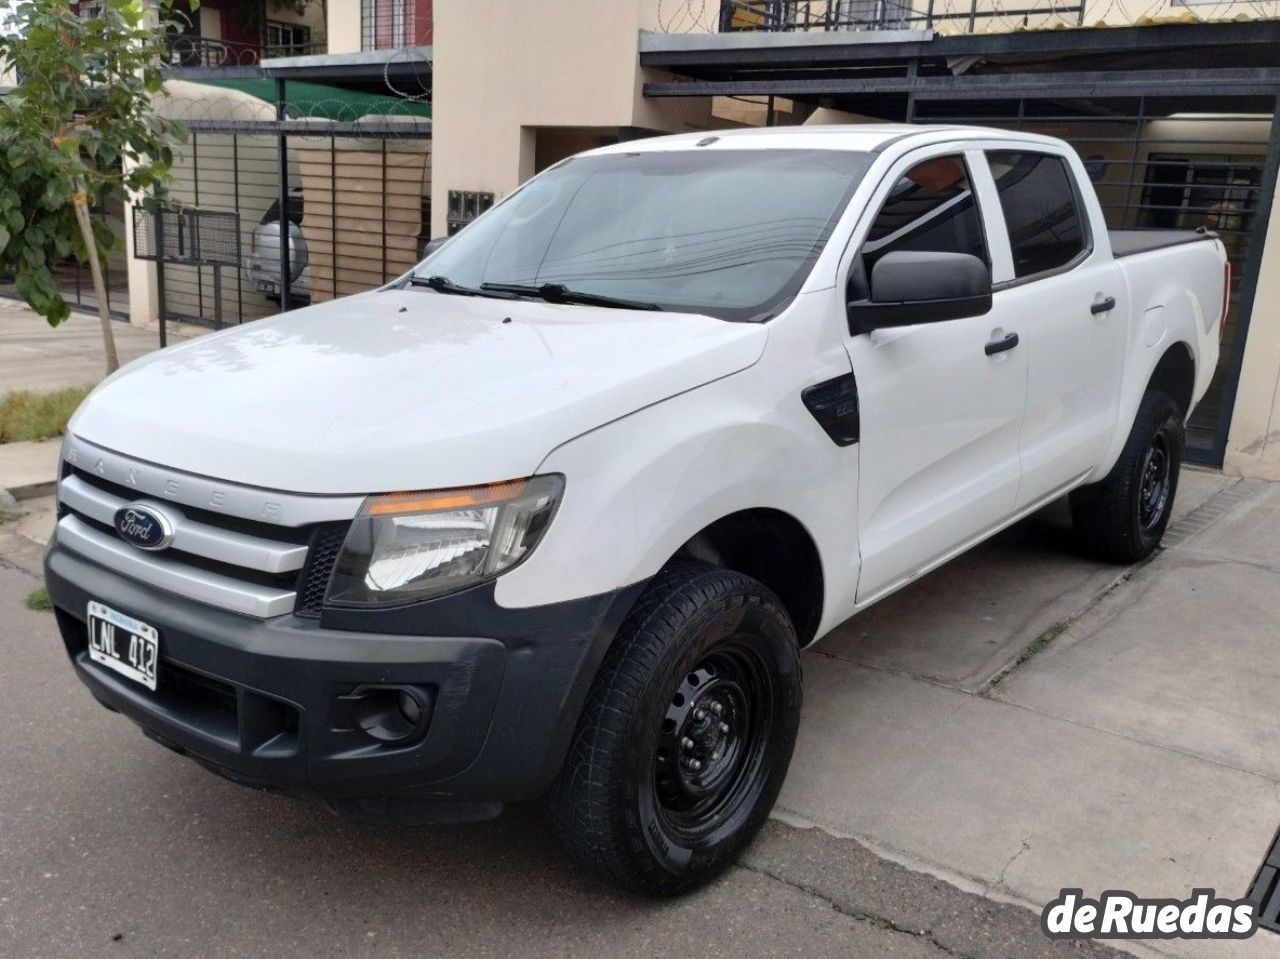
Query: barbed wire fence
[{"x": 949, "y": 17}]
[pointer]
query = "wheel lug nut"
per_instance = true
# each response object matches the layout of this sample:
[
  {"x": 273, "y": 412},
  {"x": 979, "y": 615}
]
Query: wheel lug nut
[
  {"x": 699, "y": 714},
  {"x": 724, "y": 727},
  {"x": 717, "y": 707},
  {"x": 695, "y": 765},
  {"x": 686, "y": 743}
]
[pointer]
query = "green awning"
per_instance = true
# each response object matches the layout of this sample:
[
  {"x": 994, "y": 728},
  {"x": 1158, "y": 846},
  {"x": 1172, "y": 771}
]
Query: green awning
[{"x": 323, "y": 102}]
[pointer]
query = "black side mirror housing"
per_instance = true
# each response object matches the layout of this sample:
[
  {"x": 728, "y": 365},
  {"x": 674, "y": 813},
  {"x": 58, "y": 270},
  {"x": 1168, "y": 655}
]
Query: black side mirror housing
[
  {"x": 909, "y": 287},
  {"x": 432, "y": 245}
]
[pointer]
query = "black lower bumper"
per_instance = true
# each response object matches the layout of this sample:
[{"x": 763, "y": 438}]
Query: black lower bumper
[{"x": 269, "y": 703}]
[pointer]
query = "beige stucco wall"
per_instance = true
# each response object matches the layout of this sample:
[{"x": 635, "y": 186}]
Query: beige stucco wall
[
  {"x": 503, "y": 69},
  {"x": 1253, "y": 447},
  {"x": 344, "y": 26}
]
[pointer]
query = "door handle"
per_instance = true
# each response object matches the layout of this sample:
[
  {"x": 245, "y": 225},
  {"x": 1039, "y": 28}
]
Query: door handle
[
  {"x": 1105, "y": 305},
  {"x": 999, "y": 346}
]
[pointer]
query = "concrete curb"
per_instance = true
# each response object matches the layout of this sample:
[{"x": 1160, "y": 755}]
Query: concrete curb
[
  {"x": 29, "y": 491},
  {"x": 30, "y": 469}
]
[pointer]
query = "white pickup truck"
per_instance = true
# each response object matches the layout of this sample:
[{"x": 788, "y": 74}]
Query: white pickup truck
[{"x": 553, "y": 515}]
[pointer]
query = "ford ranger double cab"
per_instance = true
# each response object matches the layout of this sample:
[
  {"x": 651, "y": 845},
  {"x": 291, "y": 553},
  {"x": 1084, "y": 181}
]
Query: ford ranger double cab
[{"x": 553, "y": 515}]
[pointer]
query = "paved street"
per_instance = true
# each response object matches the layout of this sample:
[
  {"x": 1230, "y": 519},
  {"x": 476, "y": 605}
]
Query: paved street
[
  {"x": 1135, "y": 749},
  {"x": 110, "y": 845}
]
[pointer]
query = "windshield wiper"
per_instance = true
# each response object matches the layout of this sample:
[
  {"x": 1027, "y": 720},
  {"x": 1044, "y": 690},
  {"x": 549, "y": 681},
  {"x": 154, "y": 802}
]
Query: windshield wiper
[
  {"x": 442, "y": 284},
  {"x": 559, "y": 293}
]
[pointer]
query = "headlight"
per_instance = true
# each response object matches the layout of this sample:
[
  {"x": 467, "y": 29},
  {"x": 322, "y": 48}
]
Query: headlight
[{"x": 411, "y": 546}]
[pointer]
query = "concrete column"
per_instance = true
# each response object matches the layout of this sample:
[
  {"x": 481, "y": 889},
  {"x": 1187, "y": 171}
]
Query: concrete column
[
  {"x": 144, "y": 303},
  {"x": 343, "y": 26},
  {"x": 1253, "y": 446}
]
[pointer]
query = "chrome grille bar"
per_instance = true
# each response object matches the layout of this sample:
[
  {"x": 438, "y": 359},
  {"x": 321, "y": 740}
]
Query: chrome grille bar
[
  {"x": 163, "y": 573},
  {"x": 199, "y": 539}
]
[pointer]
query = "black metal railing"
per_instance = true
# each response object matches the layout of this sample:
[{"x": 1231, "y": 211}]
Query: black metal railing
[
  {"x": 836, "y": 15},
  {"x": 185, "y": 50}
]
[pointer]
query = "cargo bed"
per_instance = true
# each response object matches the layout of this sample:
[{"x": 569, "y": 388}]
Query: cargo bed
[{"x": 1131, "y": 242}]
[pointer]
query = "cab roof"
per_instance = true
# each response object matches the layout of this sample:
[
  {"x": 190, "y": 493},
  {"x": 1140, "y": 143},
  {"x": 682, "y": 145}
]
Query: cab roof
[{"x": 863, "y": 137}]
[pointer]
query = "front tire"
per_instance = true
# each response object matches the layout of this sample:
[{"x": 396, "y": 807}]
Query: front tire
[
  {"x": 686, "y": 735},
  {"x": 1123, "y": 518}
]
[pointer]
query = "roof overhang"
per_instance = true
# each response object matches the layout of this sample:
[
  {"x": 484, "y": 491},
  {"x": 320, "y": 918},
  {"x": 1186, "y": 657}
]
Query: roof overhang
[
  {"x": 1196, "y": 43},
  {"x": 408, "y": 65},
  {"x": 879, "y": 73},
  {"x": 404, "y": 63}
]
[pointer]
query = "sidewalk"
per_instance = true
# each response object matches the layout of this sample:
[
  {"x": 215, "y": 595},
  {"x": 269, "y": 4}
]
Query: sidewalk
[
  {"x": 37, "y": 356},
  {"x": 28, "y": 470},
  {"x": 1024, "y": 720}
]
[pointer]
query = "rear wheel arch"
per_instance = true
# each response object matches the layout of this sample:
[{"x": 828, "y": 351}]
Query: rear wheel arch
[
  {"x": 1175, "y": 376},
  {"x": 774, "y": 548}
]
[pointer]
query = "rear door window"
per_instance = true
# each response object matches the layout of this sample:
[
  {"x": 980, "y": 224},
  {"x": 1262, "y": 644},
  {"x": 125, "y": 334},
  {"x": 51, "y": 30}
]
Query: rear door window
[{"x": 1041, "y": 210}]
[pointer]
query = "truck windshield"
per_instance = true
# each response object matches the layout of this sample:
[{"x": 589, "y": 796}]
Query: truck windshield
[{"x": 728, "y": 233}]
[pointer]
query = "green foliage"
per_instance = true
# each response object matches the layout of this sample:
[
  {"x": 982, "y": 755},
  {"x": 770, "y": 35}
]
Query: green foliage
[
  {"x": 39, "y": 601},
  {"x": 79, "y": 126},
  {"x": 25, "y": 415}
]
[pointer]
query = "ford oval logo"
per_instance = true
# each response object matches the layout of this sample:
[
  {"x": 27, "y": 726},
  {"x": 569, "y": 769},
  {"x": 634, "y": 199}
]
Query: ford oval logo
[{"x": 143, "y": 526}]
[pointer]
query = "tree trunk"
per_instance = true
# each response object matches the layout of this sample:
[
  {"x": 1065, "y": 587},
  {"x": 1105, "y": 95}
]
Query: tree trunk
[{"x": 81, "y": 204}]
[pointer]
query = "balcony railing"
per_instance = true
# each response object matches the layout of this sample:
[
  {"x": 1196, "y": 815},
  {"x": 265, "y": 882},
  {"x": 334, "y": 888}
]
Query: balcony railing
[
  {"x": 972, "y": 16},
  {"x": 191, "y": 51}
]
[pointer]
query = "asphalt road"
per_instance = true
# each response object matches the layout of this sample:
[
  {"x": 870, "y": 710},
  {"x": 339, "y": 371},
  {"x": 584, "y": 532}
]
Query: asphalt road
[{"x": 112, "y": 846}]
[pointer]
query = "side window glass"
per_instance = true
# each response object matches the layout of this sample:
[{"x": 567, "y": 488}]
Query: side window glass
[
  {"x": 1046, "y": 229},
  {"x": 931, "y": 209}
]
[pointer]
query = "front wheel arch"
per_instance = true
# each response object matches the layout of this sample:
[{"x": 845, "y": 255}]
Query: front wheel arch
[{"x": 773, "y": 548}]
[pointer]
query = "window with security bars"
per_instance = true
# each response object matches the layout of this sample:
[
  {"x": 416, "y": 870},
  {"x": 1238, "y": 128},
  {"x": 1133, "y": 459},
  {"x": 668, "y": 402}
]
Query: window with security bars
[{"x": 393, "y": 24}]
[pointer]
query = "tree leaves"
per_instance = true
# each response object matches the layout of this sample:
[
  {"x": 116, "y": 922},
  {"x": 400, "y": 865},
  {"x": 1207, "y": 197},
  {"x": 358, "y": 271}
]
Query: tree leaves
[{"x": 81, "y": 115}]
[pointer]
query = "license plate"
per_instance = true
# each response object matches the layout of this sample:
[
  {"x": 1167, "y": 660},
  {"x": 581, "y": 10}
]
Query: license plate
[{"x": 124, "y": 644}]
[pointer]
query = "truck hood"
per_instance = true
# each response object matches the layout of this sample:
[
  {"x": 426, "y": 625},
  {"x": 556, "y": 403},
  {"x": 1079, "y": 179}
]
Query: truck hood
[{"x": 403, "y": 389}]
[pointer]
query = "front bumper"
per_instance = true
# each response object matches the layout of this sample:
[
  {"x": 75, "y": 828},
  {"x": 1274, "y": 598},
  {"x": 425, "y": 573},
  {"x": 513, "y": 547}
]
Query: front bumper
[{"x": 267, "y": 702}]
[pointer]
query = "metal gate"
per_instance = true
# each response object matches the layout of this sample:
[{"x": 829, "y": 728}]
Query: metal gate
[
  {"x": 347, "y": 192},
  {"x": 75, "y": 280}
]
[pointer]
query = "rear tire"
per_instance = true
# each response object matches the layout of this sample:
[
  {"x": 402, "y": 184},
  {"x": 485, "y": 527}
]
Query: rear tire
[
  {"x": 686, "y": 735},
  {"x": 1123, "y": 518}
]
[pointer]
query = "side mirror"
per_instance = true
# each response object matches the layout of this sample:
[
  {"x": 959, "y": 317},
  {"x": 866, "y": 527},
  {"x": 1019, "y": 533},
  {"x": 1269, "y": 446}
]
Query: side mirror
[
  {"x": 432, "y": 245},
  {"x": 912, "y": 287}
]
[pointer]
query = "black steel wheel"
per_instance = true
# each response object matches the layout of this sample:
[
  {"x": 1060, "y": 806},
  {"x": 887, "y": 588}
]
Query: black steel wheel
[
  {"x": 1157, "y": 478},
  {"x": 687, "y": 733},
  {"x": 1123, "y": 518},
  {"x": 712, "y": 744}
]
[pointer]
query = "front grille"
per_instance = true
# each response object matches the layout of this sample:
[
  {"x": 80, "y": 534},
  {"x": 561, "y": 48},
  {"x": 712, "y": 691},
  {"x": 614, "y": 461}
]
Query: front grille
[
  {"x": 326, "y": 543},
  {"x": 231, "y": 557}
]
